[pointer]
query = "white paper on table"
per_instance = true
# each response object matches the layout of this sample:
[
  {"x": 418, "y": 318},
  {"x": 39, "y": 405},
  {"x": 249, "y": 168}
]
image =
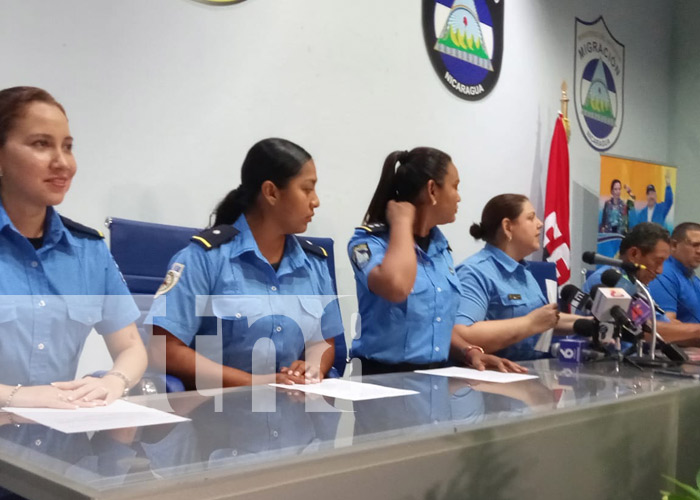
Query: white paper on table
[
  {"x": 347, "y": 389},
  {"x": 118, "y": 415},
  {"x": 483, "y": 376},
  {"x": 545, "y": 340}
]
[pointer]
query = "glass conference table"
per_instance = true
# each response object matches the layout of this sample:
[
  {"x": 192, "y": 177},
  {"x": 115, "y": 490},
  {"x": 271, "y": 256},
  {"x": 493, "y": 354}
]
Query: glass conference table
[{"x": 578, "y": 431}]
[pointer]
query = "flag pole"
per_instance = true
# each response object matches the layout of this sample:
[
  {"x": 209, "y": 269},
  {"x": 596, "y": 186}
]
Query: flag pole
[{"x": 565, "y": 110}]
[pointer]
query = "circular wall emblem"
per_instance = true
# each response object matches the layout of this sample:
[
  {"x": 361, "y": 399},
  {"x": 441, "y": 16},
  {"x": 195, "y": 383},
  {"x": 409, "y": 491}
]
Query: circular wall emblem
[
  {"x": 464, "y": 39},
  {"x": 599, "y": 71}
]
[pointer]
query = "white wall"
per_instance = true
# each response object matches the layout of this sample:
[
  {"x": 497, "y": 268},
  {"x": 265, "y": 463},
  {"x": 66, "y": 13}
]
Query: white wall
[
  {"x": 684, "y": 127},
  {"x": 166, "y": 96}
]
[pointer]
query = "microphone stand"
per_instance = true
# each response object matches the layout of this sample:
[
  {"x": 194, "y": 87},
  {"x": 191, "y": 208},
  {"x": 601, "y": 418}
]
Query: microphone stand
[{"x": 647, "y": 295}]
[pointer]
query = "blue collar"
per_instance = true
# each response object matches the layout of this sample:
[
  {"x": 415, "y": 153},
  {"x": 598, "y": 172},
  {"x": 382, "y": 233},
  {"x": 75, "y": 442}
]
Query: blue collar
[
  {"x": 438, "y": 243},
  {"x": 55, "y": 232},
  {"x": 688, "y": 273},
  {"x": 245, "y": 242},
  {"x": 508, "y": 263}
]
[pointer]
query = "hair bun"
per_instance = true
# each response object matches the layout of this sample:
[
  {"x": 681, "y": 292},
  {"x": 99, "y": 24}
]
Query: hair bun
[
  {"x": 403, "y": 156},
  {"x": 477, "y": 231}
]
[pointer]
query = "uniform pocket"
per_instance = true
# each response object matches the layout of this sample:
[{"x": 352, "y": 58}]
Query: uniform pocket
[
  {"x": 8, "y": 312},
  {"x": 511, "y": 305},
  {"x": 85, "y": 310}
]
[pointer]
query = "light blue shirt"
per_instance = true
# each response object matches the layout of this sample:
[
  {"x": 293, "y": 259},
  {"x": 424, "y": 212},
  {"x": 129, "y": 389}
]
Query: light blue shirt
[
  {"x": 235, "y": 283},
  {"x": 495, "y": 286},
  {"x": 677, "y": 290},
  {"x": 417, "y": 330},
  {"x": 51, "y": 298}
]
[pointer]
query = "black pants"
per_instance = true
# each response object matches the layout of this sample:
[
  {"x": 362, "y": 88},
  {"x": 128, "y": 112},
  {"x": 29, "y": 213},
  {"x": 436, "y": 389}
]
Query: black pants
[{"x": 372, "y": 367}]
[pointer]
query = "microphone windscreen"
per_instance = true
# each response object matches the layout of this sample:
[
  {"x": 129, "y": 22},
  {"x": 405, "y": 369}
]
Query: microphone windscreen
[
  {"x": 568, "y": 292},
  {"x": 588, "y": 257},
  {"x": 586, "y": 327},
  {"x": 610, "y": 277}
]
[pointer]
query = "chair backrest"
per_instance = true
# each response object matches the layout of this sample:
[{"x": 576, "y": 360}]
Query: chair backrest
[
  {"x": 143, "y": 250},
  {"x": 341, "y": 348},
  {"x": 543, "y": 271}
]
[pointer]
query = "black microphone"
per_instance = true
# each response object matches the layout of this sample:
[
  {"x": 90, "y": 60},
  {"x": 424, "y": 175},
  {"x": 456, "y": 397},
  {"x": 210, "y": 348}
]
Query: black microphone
[
  {"x": 611, "y": 277},
  {"x": 586, "y": 327},
  {"x": 575, "y": 297},
  {"x": 620, "y": 317},
  {"x": 594, "y": 259}
]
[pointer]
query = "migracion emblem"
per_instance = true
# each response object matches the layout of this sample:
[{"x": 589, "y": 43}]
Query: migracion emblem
[
  {"x": 170, "y": 280},
  {"x": 361, "y": 255},
  {"x": 599, "y": 76},
  {"x": 464, "y": 39}
]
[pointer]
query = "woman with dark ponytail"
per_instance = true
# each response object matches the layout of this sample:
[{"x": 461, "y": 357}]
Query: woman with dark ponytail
[
  {"x": 502, "y": 307},
  {"x": 406, "y": 285},
  {"x": 260, "y": 282}
]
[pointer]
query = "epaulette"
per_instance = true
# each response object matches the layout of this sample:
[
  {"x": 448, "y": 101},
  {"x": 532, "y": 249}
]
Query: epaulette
[
  {"x": 215, "y": 236},
  {"x": 74, "y": 227},
  {"x": 374, "y": 228},
  {"x": 312, "y": 247}
]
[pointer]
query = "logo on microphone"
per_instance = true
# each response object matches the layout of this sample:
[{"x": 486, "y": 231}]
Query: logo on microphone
[
  {"x": 567, "y": 353},
  {"x": 464, "y": 39}
]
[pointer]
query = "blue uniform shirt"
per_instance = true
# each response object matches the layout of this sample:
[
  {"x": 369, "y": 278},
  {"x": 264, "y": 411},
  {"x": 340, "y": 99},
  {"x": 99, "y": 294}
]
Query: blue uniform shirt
[
  {"x": 417, "y": 330},
  {"x": 677, "y": 290},
  {"x": 594, "y": 279},
  {"x": 235, "y": 283},
  {"x": 51, "y": 298},
  {"x": 495, "y": 286}
]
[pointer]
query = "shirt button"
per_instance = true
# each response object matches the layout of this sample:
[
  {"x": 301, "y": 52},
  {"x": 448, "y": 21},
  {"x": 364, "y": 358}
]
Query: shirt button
[
  {"x": 438, "y": 319},
  {"x": 278, "y": 329},
  {"x": 437, "y": 349},
  {"x": 275, "y": 434},
  {"x": 41, "y": 347},
  {"x": 273, "y": 288},
  {"x": 435, "y": 388},
  {"x": 42, "y": 303},
  {"x": 37, "y": 442},
  {"x": 238, "y": 315},
  {"x": 411, "y": 290},
  {"x": 439, "y": 289},
  {"x": 234, "y": 453},
  {"x": 35, "y": 264}
]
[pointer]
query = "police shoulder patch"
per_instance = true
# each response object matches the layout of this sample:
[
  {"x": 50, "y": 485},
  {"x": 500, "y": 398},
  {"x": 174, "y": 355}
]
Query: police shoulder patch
[
  {"x": 374, "y": 228},
  {"x": 310, "y": 247},
  {"x": 215, "y": 236},
  {"x": 81, "y": 230},
  {"x": 361, "y": 255},
  {"x": 171, "y": 278}
]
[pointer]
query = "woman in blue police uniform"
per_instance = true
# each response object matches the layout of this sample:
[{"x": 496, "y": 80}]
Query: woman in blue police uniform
[
  {"x": 58, "y": 277},
  {"x": 271, "y": 290},
  {"x": 406, "y": 285},
  {"x": 502, "y": 307}
]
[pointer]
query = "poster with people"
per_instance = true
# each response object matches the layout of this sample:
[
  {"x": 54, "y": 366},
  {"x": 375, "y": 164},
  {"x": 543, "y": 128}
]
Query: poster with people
[{"x": 632, "y": 191}]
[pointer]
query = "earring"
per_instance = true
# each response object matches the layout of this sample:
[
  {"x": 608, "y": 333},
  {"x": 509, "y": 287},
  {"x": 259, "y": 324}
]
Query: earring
[{"x": 434, "y": 202}]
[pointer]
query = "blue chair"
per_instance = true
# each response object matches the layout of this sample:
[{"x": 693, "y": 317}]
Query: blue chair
[
  {"x": 341, "y": 349},
  {"x": 543, "y": 271},
  {"x": 143, "y": 250}
]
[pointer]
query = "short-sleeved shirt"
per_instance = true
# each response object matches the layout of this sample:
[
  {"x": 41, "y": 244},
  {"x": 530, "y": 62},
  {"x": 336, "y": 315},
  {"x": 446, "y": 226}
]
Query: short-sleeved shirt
[
  {"x": 677, "y": 290},
  {"x": 496, "y": 286},
  {"x": 419, "y": 329},
  {"x": 280, "y": 310},
  {"x": 51, "y": 298}
]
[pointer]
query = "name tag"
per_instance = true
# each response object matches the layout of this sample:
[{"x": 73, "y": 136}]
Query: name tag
[{"x": 514, "y": 296}]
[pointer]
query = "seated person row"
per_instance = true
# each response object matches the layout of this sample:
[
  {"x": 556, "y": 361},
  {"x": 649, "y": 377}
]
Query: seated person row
[
  {"x": 648, "y": 245},
  {"x": 258, "y": 278},
  {"x": 58, "y": 277}
]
